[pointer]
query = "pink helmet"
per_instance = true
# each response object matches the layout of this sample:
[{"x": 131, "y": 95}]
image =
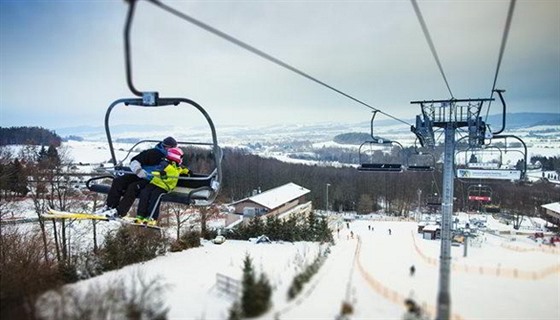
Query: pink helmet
[{"x": 175, "y": 154}]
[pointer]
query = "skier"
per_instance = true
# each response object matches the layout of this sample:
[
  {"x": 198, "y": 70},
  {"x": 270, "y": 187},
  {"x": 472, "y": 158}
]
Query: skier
[
  {"x": 412, "y": 270},
  {"x": 148, "y": 206},
  {"x": 126, "y": 188},
  {"x": 413, "y": 311}
]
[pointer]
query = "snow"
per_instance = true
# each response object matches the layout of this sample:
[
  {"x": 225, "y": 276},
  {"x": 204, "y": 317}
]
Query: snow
[{"x": 496, "y": 280}]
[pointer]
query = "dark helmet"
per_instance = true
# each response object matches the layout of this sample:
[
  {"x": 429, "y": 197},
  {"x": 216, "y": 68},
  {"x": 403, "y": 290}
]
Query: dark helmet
[{"x": 169, "y": 142}]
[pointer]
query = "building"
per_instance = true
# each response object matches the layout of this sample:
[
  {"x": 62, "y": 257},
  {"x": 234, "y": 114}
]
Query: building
[
  {"x": 286, "y": 199},
  {"x": 431, "y": 232},
  {"x": 552, "y": 213}
]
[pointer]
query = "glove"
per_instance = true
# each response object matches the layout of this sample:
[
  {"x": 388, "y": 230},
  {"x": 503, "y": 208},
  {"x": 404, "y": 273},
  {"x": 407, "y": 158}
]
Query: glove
[
  {"x": 142, "y": 174},
  {"x": 135, "y": 167},
  {"x": 163, "y": 174}
]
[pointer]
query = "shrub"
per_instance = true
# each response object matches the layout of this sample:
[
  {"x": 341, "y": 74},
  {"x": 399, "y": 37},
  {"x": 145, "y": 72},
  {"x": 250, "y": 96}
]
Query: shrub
[
  {"x": 189, "y": 239},
  {"x": 24, "y": 273},
  {"x": 132, "y": 297},
  {"x": 301, "y": 279},
  {"x": 131, "y": 244}
]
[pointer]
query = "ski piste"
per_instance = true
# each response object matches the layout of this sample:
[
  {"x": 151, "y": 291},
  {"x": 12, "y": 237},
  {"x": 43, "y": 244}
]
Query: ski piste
[{"x": 57, "y": 214}]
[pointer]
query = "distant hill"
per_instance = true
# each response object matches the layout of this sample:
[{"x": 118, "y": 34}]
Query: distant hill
[
  {"x": 525, "y": 120},
  {"x": 356, "y": 138},
  {"x": 308, "y": 130},
  {"x": 28, "y": 135},
  {"x": 513, "y": 120}
]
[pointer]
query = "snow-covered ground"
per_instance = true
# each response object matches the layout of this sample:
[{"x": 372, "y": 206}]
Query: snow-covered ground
[{"x": 495, "y": 280}]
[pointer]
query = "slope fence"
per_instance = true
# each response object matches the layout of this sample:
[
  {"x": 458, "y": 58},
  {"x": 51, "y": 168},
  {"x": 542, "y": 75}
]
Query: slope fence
[
  {"x": 541, "y": 248},
  {"x": 393, "y": 295},
  {"x": 499, "y": 271}
]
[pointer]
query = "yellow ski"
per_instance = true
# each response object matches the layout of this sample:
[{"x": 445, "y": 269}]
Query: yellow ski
[{"x": 55, "y": 214}]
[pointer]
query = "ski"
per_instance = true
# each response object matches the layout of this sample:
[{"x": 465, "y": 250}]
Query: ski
[
  {"x": 141, "y": 225},
  {"x": 56, "y": 214}
]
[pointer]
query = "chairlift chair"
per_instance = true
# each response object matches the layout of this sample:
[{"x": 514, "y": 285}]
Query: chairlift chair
[
  {"x": 420, "y": 161},
  {"x": 373, "y": 148},
  {"x": 197, "y": 188},
  {"x": 483, "y": 196},
  {"x": 472, "y": 162}
]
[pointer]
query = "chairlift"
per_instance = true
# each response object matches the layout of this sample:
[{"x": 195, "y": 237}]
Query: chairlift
[
  {"x": 482, "y": 195},
  {"x": 486, "y": 162},
  {"x": 196, "y": 188},
  {"x": 479, "y": 193},
  {"x": 372, "y": 155},
  {"x": 420, "y": 161}
]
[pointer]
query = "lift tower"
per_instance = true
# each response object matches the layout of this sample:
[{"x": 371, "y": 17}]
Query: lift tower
[{"x": 449, "y": 115}]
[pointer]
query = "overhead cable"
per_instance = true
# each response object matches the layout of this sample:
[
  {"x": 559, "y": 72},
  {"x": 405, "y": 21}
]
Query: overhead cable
[
  {"x": 502, "y": 49},
  {"x": 430, "y": 43},
  {"x": 264, "y": 55}
]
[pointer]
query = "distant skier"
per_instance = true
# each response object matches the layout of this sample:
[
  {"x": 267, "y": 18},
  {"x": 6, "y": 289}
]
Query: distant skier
[
  {"x": 413, "y": 311},
  {"x": 412, "y": 270},
  {"x": 389, "y": 231}
]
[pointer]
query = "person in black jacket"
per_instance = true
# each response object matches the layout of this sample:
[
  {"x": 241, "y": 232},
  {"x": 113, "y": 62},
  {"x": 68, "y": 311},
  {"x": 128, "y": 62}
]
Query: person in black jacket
[{"x": 125, "y": 188}]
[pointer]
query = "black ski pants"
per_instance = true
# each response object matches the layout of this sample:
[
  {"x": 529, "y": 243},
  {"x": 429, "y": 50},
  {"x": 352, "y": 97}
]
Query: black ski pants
[
  {"x": 149, "y": 200},
  {"x": 124, "y": 191}
]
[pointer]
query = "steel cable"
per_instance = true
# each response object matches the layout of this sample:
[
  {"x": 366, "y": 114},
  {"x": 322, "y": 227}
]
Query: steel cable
[
  {"x": 430, "y": 43},
  {"x": 264, "y": 55},
  {"x": 502, "y": 49}
]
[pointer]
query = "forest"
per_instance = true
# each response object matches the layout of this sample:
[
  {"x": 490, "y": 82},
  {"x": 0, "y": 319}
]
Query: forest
[
  {"x": 28, "y": 136},
  {"x": 349, "y": 189}
]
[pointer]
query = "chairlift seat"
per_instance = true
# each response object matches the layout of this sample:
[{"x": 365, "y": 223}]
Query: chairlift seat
[
  {"x": 420, "y": 168},
  {"x": 190, "y": 189},
  {"x": 388, "y": 167}
]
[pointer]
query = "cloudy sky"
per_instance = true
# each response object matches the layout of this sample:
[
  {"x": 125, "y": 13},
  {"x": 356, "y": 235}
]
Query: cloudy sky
[{"x": 62, "y": 62}]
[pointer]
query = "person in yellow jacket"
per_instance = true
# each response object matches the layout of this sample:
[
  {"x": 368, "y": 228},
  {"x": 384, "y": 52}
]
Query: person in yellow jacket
[{"x": 163, "y": 182}]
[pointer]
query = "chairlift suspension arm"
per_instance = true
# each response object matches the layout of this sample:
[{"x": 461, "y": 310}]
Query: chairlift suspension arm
[
  {"x": 128, "y": 24},
  {"x": 499, "y": 91}
]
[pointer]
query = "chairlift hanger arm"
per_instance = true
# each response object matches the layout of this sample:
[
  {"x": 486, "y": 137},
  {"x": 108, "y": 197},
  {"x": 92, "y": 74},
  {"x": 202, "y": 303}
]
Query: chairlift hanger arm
[
  {"x": 128, "y": 25},
  {"x": 499, "y": 91}
]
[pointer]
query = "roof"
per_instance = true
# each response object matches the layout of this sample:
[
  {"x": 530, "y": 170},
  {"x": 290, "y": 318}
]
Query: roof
[
  {"x": 276, "y": 197},
  {"x": 554, "y": 207},
  {"x": 431, "y": 227}
]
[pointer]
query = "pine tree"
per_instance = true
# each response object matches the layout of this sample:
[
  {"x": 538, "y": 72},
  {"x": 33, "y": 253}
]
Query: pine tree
[
  {"x": 255, "y": 227},
  {"x": 256, "y": 294},
  {"x": 273, "y": 228}
]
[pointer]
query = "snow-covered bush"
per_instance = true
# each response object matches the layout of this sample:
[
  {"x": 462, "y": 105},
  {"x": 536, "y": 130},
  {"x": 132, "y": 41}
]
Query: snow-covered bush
[{"x": 130, "y": 244}]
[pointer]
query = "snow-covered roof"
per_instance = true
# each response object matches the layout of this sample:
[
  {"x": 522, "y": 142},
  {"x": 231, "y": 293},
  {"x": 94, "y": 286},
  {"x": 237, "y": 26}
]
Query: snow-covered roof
[
  {"x": 431, "y": 227},
  {"x": 555, "y": 206},
  {"x": 276, "y": 197}
]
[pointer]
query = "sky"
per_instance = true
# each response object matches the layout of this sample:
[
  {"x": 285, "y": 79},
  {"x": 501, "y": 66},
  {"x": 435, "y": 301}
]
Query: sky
[
  {"x": 372, "y": 273},
  {"x": 62, "y": 62}
]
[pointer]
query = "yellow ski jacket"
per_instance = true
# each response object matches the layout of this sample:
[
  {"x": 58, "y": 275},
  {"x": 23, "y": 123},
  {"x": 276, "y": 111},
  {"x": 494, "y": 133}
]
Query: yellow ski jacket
[{"x": 169, "y": 181}]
